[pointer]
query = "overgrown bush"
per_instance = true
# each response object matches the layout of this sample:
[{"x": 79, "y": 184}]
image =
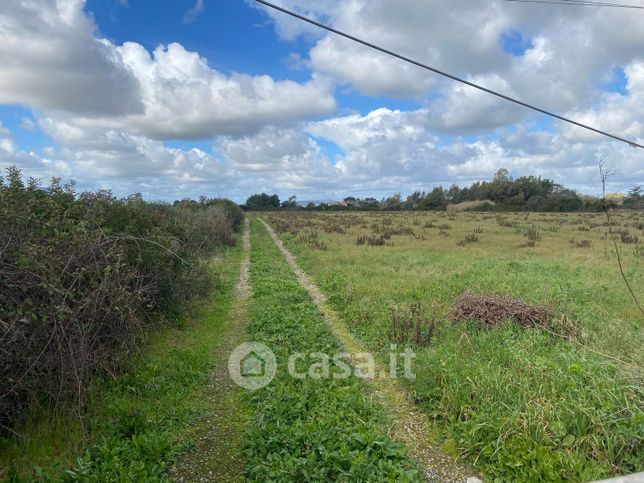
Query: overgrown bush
[{"x": 82, "y": 276}]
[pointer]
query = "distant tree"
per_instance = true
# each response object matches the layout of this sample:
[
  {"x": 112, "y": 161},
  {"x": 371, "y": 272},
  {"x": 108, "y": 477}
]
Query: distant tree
[
  {"x": 502, "y": 176},
  {"x": 535, "y": 203},
  {"x": 634, "y": 198},
  {"x": 370, "y": 204},
  {"x": 392, "y": 203},
  {"x": 262, "y": 202},
  {"x": 351, "y": 202},
  {"x": 435, "y": 199},
  {"x": 291, "y": 203},
  {"x": 453, "y": 194},
  {"x": 514, "y": 203},
  {"x": 563, "y": 199},
  {"x": 414, "y": 201}
]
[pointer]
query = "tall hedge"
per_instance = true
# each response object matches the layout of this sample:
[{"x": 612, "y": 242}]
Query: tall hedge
[{"x": 83, "y": 275}]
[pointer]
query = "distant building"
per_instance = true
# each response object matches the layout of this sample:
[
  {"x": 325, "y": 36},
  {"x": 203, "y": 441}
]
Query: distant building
[{"x": 615, "y": 198}]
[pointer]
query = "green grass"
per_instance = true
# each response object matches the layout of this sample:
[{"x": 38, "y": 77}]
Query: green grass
[
  {"x": 526, "y": 407},
  {"x": 138, "y": 422},
  {"x": 311, "y": 429},
  {"x": 520, "y": 404}
]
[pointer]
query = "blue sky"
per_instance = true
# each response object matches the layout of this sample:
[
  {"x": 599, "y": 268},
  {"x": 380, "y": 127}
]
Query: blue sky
[{"x": 222, "y": 97}]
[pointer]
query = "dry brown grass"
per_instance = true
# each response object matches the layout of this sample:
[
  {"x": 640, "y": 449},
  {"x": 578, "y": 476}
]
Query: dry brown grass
[
  {"x": 492, "y": 311},
  {"x": 469, "y": 205}
]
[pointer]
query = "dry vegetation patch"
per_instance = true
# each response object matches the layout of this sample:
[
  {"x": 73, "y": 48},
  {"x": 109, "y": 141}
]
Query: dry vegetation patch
[{"x": 492, "y": 310}]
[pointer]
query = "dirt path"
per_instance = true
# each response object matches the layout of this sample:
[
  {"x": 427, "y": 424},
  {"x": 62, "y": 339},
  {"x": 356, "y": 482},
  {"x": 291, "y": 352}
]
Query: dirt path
[
  {"x": 218, "y": 453},
  {"x": 407, "y": 424}
]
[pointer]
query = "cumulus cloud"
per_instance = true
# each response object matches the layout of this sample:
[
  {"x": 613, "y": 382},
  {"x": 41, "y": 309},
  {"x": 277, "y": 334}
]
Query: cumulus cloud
[
  {"x": 118, "y": 154},
  {"x": 569, "y": 49},
  {"x": 430, "y": 32},
  {"x": 615, "y": 112},
  {"x": 11, "y": 155},
  {"x": 52, "y": 60},
  {"x": 184, "y": 98},
  {"x": 277, "y": 135},
  {"x": 288, "y": 158},
  {"x": 386, "y": 151}
]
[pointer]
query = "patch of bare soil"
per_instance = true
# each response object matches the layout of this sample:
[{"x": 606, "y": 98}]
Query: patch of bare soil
[{"x": 218, "y": 453}]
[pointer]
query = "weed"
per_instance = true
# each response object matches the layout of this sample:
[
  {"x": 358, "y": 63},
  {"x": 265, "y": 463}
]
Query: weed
[
  {"x": 312, "y": 239},
  {"x": 372, "y": 241},
  {"x": 409, "y": 325},
  {"x": 628, "y": 238},
  {"x": 468, "y": 240},
  {"x": 532, "y": 234},
  {"x": 501, "y": 221}
]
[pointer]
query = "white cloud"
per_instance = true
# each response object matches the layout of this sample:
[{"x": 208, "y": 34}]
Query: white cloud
[
  {"x": 11, "y": 155},
  {"x": 27, "y": 124},
  {"x": 270, "y": 135},
  {"x": 287, "y": 158},
  {"x": 620, "y": 114},
  {"x": 184, "y": 98},
  {"x": 571, "y": 49},
  {"x": 196, "y": 10},
  {"x": 52, "y": 61},
  {"x": 118, "y": 154},
  {"x": 386, "y": 151}
]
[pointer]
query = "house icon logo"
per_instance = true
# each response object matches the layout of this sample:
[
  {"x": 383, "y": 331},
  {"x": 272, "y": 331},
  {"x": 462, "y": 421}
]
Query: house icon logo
[{"x": 252, "y": 365}]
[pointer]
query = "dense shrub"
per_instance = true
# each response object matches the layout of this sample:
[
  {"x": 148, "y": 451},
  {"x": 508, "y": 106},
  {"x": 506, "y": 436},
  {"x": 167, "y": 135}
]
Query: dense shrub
[{"x": 82, "y": 275}]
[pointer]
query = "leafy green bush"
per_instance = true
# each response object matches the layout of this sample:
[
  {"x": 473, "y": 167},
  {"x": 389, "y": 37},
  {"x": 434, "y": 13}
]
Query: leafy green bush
[{"x": 82, "y": 275}]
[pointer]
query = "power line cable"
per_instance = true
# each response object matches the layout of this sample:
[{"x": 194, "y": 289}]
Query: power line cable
[
  {"x": 602, "y": 2},
  {"x": 598, "y": 3},
  {"x": 445, "y": 74},
  {"x": 580, "y": 3}
]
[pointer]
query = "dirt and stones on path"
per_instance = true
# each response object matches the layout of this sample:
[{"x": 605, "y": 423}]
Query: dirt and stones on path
[
  {"x": 218, "y": 455},
  {"x": 407, "y": 424}
]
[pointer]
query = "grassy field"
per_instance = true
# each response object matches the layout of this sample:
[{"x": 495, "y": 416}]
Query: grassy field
[
  {"x": 558, "y": 402},
  {"x": 563, "y": 402}
]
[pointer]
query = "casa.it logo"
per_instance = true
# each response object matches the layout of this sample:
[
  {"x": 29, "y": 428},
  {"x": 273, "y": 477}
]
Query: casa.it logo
[{"x": 252, "y": 365}]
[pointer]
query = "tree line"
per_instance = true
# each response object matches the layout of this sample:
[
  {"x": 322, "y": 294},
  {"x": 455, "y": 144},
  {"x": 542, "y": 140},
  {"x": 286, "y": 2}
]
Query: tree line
[{"x": 502, "y": 193}]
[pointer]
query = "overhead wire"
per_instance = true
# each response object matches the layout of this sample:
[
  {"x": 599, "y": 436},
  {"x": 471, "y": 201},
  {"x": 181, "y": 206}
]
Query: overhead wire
[
  {"x": 582, "y": 3},
  {"x": 446, "y": 74}
]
